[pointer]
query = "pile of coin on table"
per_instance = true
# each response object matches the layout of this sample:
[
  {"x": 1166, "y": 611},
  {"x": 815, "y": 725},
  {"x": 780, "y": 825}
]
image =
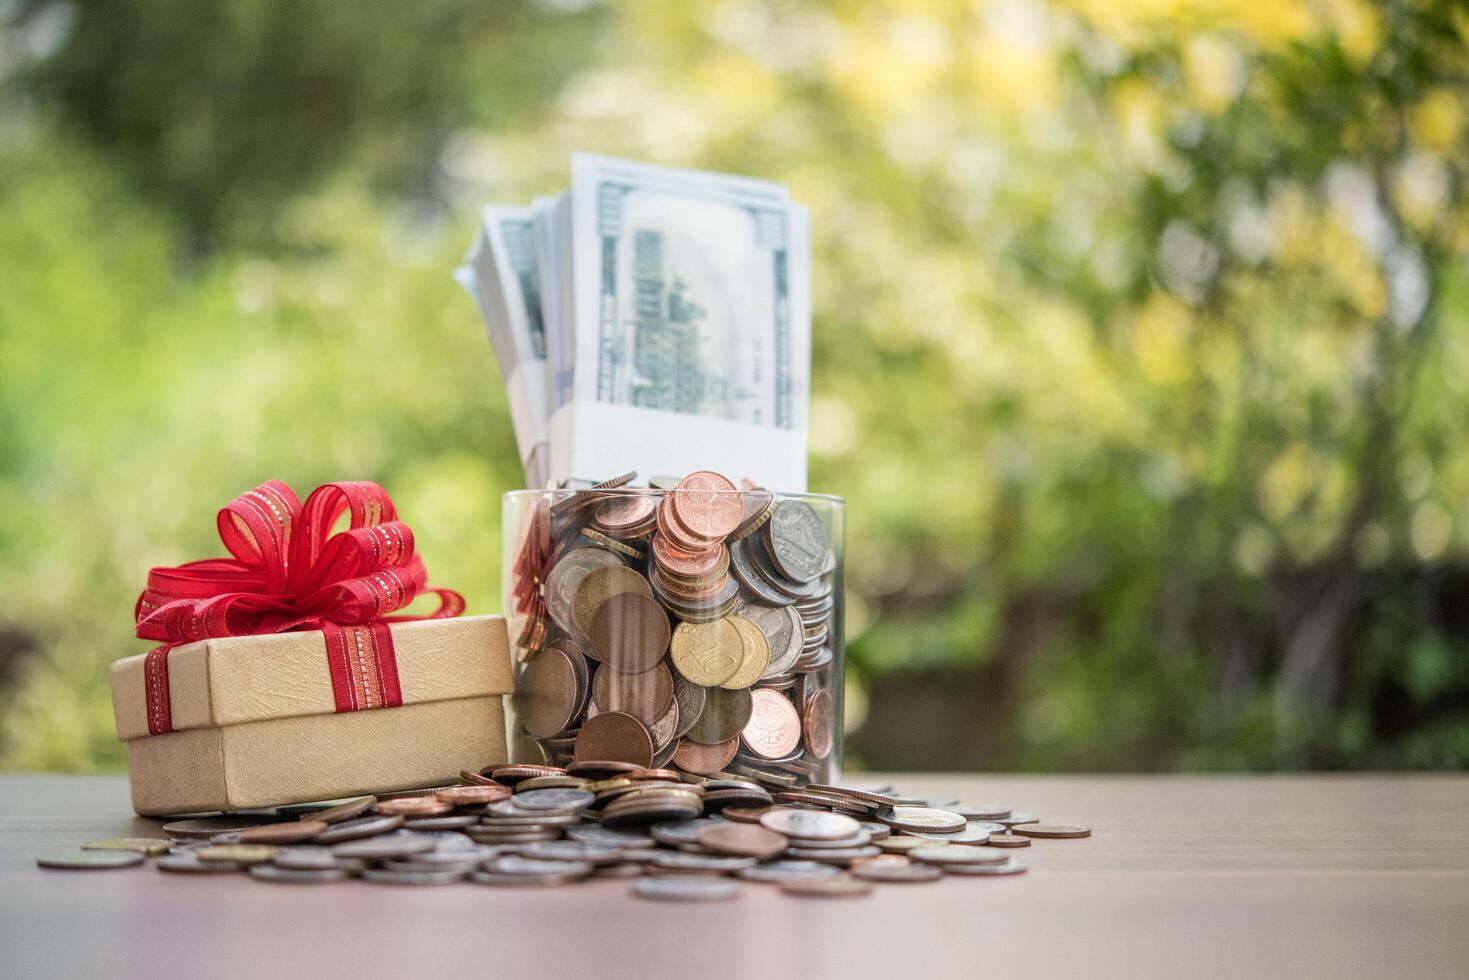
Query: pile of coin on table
[
  {"x": 690, "y": 625},
  {"x": 525, "y": 825}
]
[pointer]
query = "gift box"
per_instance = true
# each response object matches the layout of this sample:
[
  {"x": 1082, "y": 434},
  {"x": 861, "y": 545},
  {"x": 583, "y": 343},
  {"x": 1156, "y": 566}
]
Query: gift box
[
  {"x": 290, "y": 672},
  {"x": 255, "y": 720}
]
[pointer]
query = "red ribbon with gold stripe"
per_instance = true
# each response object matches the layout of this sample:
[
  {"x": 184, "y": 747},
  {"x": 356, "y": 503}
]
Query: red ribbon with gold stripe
[{"x": 289, "y": 572}]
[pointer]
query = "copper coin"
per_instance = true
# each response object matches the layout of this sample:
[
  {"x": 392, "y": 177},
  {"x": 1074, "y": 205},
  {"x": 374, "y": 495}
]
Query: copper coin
[
  {"x": 707, "y": 505},
  {"x": 291, "y": 832},
  {"x": 746, "y": 840},
  {"x": 345, "y": 810},
  {"x": 614, "y": 736},
  {"x": 414, "y": 806},
  {"x": 627, "y": 510},
  {"x": 705, "y": 759},
  {"x": 774, "y": 728},
  {"x": 475, "y": 779},
  {"x": 745, "y": 813},
  {"x": 818, "y": 723},
  {"x": 646, "y": 696},
  {"x": 546, "y": 697},
  {"x": 690, "y": 564},
  {"x": 470, "y": 795},
  {"x": 630, "y": 632},
  {"x": 724, "y": 716}
]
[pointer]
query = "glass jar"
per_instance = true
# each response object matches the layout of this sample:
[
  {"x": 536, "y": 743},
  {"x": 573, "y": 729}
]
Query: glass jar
[{"x": 678, "y": 627}]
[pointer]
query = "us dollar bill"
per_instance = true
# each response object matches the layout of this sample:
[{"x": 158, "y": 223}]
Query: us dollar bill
[
  {"x": 502, "y": 274},
  {"x": 651, "y": 318},
  {"x": 690, "y": 306}
]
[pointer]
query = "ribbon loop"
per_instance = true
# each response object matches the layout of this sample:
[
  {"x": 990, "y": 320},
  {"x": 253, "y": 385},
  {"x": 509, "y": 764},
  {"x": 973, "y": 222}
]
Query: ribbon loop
[{"x": 288, "y": 571}]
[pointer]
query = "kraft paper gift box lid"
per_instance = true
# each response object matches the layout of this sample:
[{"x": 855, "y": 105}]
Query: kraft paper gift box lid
[{"x": 240, "y": 679}]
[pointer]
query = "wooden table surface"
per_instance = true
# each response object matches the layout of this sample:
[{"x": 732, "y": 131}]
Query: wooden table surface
[{"x": 1198, "y": 876}]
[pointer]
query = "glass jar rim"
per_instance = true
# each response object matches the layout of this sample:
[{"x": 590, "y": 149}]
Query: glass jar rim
[{"x": 638, "y": 491}]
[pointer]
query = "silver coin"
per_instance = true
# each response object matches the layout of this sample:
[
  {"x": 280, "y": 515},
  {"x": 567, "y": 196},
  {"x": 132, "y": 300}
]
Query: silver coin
[
  {"x": 189, "y": 863},
  {"x": 685, "y": 888},
  {"x": 746, "y": 574},
  {"x": 472, "y": 854},
  {"x": 1017, "y": 817},
  {"x": 798, "y": 542},
  {"x": 782, "y": 629},
  {"x": 809, "y": 824},
  {"x": 513, "y": 864},
  {"x": 410, "y": 866},
  {"x": 572, "y": 850},
  {"x": 306, "y": 858},
  {"x": 297, "y": 876},
  {"x": 208, "y": 827},
  {"x": 690, "y": 700},
  {"x": 623, "y": 838},
  {"x": 680, "y": 831},
  {"x": 908, "y": 871},
  {"x": 947, "y": 854},
  {"x": 980, "y": 811},
  {"x": 382, "y": 876},
  {"x": 778, "y": 871},
  {"x": 399, "y": 843},
  {"x": 521, "y": 881},
  {"x": 921, "y": 818},
  {"x": 90, "y": 860},
  {"x": 555, "y": 799},
  {"x": 1010, "y": 867},
  {"x": 974, "y": 832},
  {"x": 877, "y": 831},
  {"x": 454, "y": 822},
  {"x": 625, "y": 870},
  {"x": 561, "y": 584},
  {"x": 683, "y": 861},
  {"x": 359, "y": 827},
  {"x": 844, "y": 855},
  {"x": 860, "y": 839}
]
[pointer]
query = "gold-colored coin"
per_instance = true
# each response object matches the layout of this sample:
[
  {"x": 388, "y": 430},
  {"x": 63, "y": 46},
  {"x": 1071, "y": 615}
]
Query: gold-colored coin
[
  {"x": 757, "y": 654},
  {"x": 708, "y": 654},
  {"x": 599, "y": 585},
  {"x": 899, "y": 845},
  {"x": 143, "y": 845},
  {"x": 237, "y": 853},
  {"x": 551, "y": 782}
]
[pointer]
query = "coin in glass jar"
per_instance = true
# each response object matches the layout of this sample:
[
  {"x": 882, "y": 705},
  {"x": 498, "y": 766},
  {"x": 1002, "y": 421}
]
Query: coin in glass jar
[
  {"x": 774, "y": 728},
  {"x": 708, "y": 654},
  {"x": 724, "y": 716},
  {"x": 629, "y": 632},
  {"x": 614, "y": 736}
]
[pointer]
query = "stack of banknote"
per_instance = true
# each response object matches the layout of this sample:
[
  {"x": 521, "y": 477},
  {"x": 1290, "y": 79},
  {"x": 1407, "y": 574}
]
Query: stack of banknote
[{"x": 651, "y": 317}]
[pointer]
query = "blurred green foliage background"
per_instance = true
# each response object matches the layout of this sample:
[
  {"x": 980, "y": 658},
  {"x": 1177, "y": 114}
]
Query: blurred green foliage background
[{"x": 1142, "y": 334}]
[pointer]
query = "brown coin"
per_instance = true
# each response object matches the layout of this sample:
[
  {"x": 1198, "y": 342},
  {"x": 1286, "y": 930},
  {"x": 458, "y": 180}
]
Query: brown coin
[
  {"x": 1051, "y": 830},
  {"x": 614, "y": 736},
  {"x": 774, "y": 728},
  {"x": 746, "y": 813},
  {"x": 470, "y": 795},
  {"x": 343, "y": 811},
  {"x": 646, "y": 696},
  {"x": 817, "y": 723},
  {"x": 291, "y": 832},
  {"x": 690, "y": 564},
  {"x": 546, "y": 699},
  {"x": 747, "y": 840},
  {"x": 630, "y": 632},
  {"x": 597, "y": 537},
  {"x": 626, "y": 511},
  {"x": 705, "y": 760},
  {"x": 599, "y": 585},
  {"x": 724, "y": 716},
  {"x": 707, "y": 505},
  {"x": 1008, "y": 840},
  {"x": 414, "y": 806}
]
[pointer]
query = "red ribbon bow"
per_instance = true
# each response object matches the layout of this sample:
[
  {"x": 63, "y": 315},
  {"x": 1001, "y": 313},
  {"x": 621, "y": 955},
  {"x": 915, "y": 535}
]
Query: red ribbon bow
[{"x": 289, "y": 572}]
